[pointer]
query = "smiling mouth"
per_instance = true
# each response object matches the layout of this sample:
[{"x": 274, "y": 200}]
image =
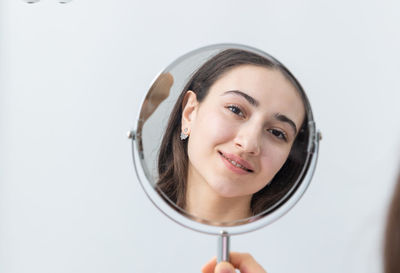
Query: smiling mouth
[{"x": 234, "y": 163}]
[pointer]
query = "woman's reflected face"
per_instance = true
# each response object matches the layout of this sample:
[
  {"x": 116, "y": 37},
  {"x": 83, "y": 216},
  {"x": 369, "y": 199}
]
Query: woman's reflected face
[{"x": 242, "y": 132}]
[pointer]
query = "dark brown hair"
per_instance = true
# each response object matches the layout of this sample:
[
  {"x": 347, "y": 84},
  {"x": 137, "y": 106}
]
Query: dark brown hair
[
  {"x": 173, "y": 158},
  {"x": 392, "y": 235}
]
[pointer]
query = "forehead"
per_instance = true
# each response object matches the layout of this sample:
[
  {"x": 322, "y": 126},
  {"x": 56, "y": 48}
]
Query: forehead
[{"x": 274, "y": 92}]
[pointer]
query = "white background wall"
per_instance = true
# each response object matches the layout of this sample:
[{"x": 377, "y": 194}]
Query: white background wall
[{"x": 71, "y": 80}]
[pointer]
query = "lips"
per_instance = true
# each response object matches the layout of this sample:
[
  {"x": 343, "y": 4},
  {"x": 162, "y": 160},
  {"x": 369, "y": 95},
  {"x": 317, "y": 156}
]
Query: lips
[{"x": 237, "y": 162}]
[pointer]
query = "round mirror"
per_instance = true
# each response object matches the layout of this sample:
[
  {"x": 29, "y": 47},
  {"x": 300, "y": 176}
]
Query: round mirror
[{"x": 225, "y": 140}]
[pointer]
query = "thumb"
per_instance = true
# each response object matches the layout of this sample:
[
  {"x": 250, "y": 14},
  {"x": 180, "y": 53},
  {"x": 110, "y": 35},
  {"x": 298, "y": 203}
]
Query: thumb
[{"x": 224, "y": 267}]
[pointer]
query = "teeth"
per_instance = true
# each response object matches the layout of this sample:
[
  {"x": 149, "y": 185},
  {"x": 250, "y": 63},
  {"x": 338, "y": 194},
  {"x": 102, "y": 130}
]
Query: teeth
[{"x": 234, "y": 163}]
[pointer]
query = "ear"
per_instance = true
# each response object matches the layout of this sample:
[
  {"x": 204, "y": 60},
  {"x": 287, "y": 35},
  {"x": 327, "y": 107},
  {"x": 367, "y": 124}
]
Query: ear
[{"x": 189, "y": 110}]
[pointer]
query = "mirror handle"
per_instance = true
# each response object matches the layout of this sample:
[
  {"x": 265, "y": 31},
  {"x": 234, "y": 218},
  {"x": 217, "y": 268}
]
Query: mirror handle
[{"x": 223, "y": 247}]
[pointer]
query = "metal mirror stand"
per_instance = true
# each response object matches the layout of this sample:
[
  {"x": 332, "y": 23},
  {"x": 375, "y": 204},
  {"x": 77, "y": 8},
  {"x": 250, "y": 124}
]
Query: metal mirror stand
[{"x": 224, "y": 233}]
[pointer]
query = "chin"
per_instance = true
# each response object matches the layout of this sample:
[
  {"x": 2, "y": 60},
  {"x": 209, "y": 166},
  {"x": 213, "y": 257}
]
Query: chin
[{"x": 227, "y": 192}]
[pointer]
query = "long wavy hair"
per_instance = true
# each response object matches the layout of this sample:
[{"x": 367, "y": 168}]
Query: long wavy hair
[{"x": 173, "y": 157}]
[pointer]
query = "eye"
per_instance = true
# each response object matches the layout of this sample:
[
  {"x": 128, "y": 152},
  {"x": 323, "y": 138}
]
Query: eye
[
  {"x": 236, "y": 110},
  {"x": 278, "y": 133}
]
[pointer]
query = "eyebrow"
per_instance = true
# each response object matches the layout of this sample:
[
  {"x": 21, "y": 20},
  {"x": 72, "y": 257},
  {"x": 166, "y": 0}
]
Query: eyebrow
[
  {"x": 250, "y": 99},
  {"x": 255, "y": 103},
  {"x": 284, "y": 118}
]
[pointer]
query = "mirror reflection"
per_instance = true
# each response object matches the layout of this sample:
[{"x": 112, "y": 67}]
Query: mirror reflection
[{"x": 225, "y": 135}]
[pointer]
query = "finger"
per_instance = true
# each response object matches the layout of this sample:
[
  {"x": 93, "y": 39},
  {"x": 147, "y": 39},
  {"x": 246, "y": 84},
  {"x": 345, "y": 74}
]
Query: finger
[
  {"x": 245, "y": 263},
  {"x": 224, "y": 267},
  {"x": 209, "y": 266}
]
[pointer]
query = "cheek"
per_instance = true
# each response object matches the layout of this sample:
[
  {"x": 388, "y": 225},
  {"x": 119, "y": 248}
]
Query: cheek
[
  {"x": 213, "y": 129},
  {"x": 273, "y": 160}
]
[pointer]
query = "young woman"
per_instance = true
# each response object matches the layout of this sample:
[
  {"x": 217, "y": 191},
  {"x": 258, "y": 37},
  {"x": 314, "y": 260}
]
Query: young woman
[{"x": 236, "y": 141}]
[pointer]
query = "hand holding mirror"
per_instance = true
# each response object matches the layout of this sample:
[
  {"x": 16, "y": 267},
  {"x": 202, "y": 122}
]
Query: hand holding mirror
[{"x": 225, "y": 142}]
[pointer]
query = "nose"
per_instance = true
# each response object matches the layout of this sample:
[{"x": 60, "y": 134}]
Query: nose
[{"x": 248, "y": 139}]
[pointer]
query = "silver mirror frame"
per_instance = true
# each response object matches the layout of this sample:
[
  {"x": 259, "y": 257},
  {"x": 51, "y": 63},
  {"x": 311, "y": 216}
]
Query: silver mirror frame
[{"x": 279, "y": 209}]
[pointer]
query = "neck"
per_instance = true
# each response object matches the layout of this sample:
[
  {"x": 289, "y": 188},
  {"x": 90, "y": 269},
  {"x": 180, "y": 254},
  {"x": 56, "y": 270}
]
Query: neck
[{"x": 203, "y": 202}]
